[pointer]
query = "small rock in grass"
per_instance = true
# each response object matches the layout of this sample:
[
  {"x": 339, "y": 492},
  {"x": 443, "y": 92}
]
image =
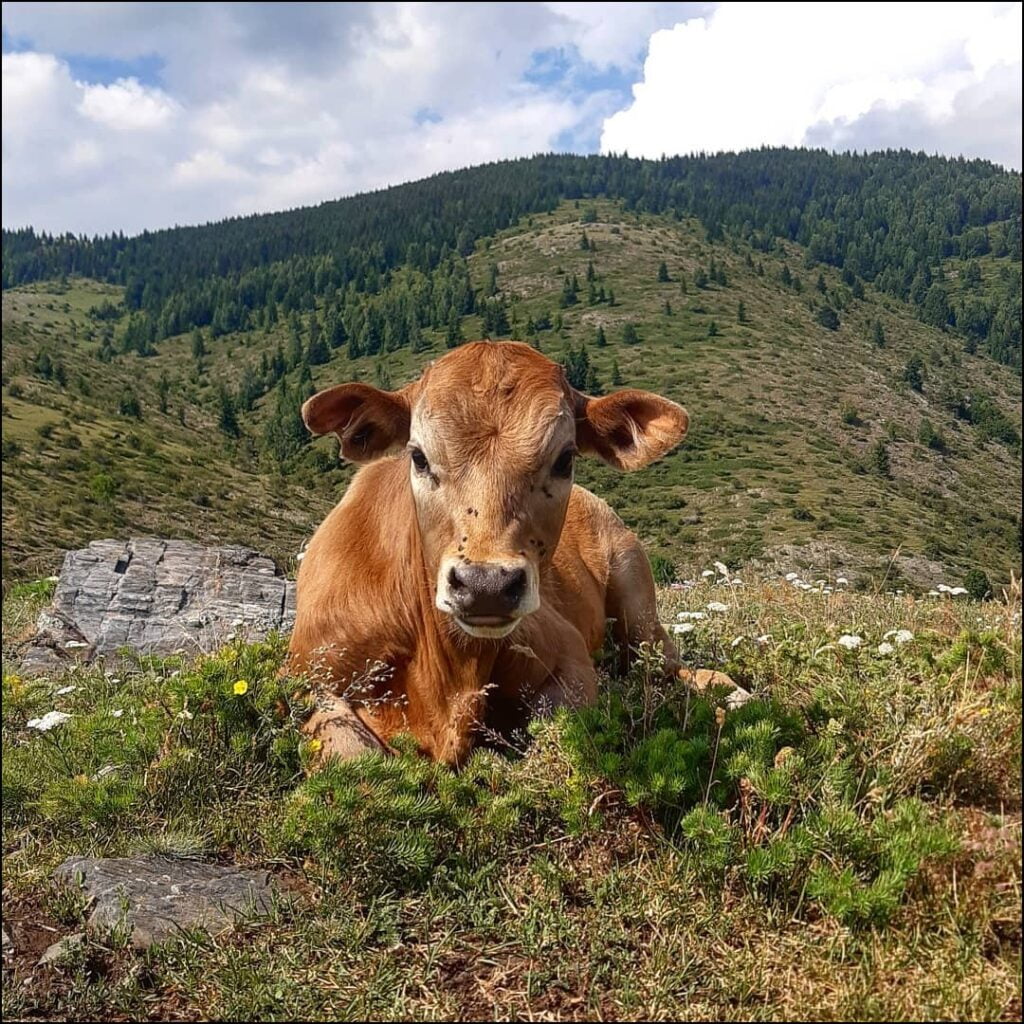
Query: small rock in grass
[
  {"x": 60, "y": 951},
  {"x": 156, "y": 898}
]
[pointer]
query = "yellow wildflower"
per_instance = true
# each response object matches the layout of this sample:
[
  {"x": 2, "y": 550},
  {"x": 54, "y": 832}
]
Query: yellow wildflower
[
  {"x": 315, "y": 745},
  {"x": 241, "y": 687}
]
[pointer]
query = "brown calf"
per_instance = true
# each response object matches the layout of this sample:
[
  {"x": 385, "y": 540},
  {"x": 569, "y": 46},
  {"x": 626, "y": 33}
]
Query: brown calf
[{"x": 464, "y": 580}]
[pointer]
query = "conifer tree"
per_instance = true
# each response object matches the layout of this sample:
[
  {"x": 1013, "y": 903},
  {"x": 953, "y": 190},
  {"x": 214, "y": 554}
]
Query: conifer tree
[{"x": 227, "y": 418}]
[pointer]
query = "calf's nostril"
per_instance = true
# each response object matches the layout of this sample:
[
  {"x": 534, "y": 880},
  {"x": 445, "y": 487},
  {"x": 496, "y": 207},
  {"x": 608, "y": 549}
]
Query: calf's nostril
[
  {"x": 515, "y": 588},
  {"x": 455, "y": 582}
]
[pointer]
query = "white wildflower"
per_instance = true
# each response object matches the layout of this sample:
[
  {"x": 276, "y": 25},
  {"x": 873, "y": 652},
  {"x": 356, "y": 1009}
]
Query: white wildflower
[
  {"x": 300, "y": 556},
  {"x": 681, "y": 628},
  {"x": 51, "y": 720},
  {"x": 805, "y": 586},
  {"x": 958, "y": 591},
  {"x": 885, "y": 648},
  {"x": 717, "y": 606},
  {"x": 842, "y": 581},
  {"x": 65, "y": 690},
  {"x": 764, "y": 638},
  {"x": 850, "y": 641},
  {"x": 722, "y": 569},
  {"x": 933, "y": 593},
  {"x": 691, "y": 615},
  {"x": 707, "y": 572},
  {"x": 903, "y": 636},
  {"x": 737, "y": 582},
  {"x": 117, "y": 713},
  {"x": 737, "y": 641},
  {"x": 791, "y": 576},
  {"x": 943, "y": 588}
]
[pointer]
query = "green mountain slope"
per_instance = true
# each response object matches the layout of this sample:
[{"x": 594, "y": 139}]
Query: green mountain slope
[{"x": 831, "y": 427}]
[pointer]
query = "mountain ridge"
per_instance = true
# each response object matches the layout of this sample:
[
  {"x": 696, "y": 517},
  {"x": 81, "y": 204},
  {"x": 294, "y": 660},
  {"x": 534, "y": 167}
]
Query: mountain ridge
[{"x": 888, "y": 218}]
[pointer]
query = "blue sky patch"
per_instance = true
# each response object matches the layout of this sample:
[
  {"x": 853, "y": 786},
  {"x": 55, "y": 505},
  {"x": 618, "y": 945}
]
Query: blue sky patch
[
  {"x": 425, "y": 115},
  {"x": 563, "y": 69},
  {"x": 148, "y": 68},
  {"x": 15, "y": 45},
  {"x": 95, "y": 69}
]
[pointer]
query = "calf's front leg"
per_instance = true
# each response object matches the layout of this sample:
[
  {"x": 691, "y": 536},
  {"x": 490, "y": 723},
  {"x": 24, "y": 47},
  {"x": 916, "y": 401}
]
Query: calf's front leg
[{"x": 632, "y": 603}]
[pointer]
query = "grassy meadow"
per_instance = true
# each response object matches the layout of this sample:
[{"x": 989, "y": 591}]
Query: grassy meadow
[{"x": 845, "y": 846}]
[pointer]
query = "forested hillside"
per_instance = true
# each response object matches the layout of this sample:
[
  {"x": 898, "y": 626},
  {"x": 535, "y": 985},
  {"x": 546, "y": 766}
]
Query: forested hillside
[
  {"x": 844, "y": 330},
  {"x": 887, "y": 218}
]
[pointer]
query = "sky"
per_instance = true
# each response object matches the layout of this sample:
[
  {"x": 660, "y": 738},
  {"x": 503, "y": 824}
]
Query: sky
[{"x": 128, "y": 116}]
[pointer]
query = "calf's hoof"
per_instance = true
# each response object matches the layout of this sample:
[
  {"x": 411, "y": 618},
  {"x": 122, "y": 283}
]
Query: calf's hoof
[
  {"x": 737, "y": 698},
  {"x": 340, "y": 731},
  {"x": 702, "y": 678}
]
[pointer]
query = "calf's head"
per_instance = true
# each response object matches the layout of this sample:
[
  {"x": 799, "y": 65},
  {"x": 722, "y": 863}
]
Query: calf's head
[{"x": 491, "y": 432}]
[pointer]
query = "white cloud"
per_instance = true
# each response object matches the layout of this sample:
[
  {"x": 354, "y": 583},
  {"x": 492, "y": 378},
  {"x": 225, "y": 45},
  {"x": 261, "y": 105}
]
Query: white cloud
[
  {"x": 833, "y": 74},
  {"x": 266, "y": 106},
  {"x": 73, "y": 154},
  {"x": 205, "y": 167},
  {"x": 125, "y": 105},
  {"x": 609, "y": 34}
]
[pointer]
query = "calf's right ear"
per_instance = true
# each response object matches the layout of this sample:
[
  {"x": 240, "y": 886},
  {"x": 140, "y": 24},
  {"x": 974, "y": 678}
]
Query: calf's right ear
[
  {"x": 369, "y": 422},
  {"x": 629, "y": 429}
]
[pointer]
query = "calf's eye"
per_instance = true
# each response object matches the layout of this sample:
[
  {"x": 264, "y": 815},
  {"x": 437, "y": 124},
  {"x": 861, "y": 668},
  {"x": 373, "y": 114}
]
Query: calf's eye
[
  {"x": 563, "y": 464},
  {"x": 419, "y": 460}
]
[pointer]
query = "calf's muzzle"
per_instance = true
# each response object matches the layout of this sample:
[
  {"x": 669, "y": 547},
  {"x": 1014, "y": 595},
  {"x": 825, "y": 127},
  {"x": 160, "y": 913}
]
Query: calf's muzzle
[{"x": 486, "y": 590}]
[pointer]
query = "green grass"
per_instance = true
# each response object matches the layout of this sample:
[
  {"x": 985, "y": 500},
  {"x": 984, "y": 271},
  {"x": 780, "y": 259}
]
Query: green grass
[
  {"x": 766, "y": 399},
  {"x": 845, "y": 846}
]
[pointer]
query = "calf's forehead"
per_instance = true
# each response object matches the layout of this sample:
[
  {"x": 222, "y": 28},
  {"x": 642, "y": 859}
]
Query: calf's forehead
[{"x": 500, "y": 400}]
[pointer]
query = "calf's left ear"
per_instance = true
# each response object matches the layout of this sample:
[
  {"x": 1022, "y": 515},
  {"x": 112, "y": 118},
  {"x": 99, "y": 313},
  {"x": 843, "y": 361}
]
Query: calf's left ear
[
  {"x": 629, "y": 429},
  {"x": 369, "y": 422}
]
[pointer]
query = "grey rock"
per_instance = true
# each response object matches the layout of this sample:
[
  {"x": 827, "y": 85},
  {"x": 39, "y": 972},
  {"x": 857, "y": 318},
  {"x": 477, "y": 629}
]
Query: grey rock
[
  {"x": 61, "y": 950},
  {"x": 156, "y": 898},
  {"x": 157, "y": 597}
]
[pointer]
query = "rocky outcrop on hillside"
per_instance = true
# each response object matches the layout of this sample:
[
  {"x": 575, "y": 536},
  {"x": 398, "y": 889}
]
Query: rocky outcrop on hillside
[{"x": 157, "y": 597}]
